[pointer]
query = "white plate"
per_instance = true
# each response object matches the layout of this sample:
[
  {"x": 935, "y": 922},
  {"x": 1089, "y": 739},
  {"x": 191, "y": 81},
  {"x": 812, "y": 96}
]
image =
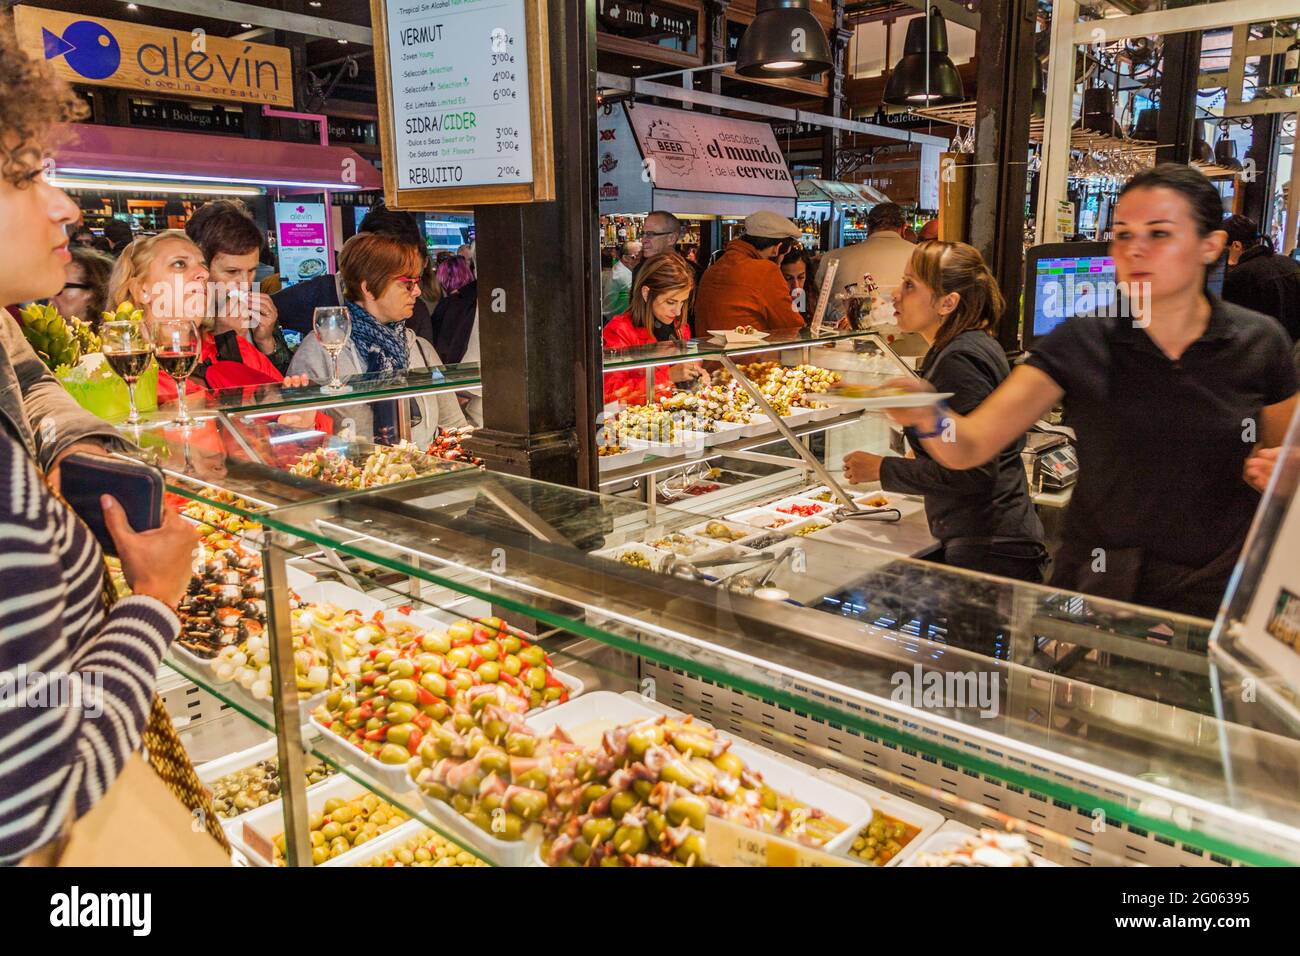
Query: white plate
[
  {"x": 732, "y": 337},
  {"x": 596, "y": 712},
  {"x": 253, "y": 832},
  {"x": 905, "y": 811},
  {"x": 951, "y": 835},
  {"x": 910, "y": 400},
  {"x": 633, "y": 456},
  {"x": 659, "y": 449},
  {"x": 760, "y": 519},
  {"x": 697, "y": 530},
  {"x": 801, "y": 499},
  {"x": 656, "y": 558}
]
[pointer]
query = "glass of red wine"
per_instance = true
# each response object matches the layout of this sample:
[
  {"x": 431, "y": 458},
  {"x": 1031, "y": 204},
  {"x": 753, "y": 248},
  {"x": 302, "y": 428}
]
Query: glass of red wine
[
  {"x": 176, "y": 349},
  {"x": 128, "y": 348}
]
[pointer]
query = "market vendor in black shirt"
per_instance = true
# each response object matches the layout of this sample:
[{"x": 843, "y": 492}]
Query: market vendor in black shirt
[
  {"x": 983, "y": 516},
  {"x": 1171, "y": 403}
]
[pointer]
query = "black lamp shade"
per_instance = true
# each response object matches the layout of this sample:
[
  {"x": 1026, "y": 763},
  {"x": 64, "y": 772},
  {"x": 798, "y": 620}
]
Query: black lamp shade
[
  {"x": 784, "y": 39},
  {"x": 1225, "y": 153},
  {"x": 1148, "y": 124},
  {"x": 908, "y": 84},
  {"x": 1099, "y": 112},
  {"x": 1201, "y": 151}
]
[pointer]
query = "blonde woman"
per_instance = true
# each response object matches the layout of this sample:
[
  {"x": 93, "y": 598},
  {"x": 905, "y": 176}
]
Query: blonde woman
[{"x": 166, "y": 277}]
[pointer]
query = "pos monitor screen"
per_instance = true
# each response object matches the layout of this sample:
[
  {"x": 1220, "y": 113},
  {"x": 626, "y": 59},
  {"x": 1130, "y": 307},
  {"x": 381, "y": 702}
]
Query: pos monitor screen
[{"x": 1063, "y": 279}]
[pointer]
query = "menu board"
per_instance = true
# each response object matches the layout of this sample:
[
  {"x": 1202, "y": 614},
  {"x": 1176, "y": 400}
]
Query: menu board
[
  {"x": 458, "y": 100},
  {"x": 300, "y": 234}
]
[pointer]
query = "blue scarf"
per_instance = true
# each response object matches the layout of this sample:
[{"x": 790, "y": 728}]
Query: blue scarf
[{"x": 382, "y": 348}]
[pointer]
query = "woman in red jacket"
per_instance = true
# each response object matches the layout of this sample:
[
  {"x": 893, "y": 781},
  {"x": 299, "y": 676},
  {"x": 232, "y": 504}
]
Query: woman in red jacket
[{"x": 660, "y": 295}]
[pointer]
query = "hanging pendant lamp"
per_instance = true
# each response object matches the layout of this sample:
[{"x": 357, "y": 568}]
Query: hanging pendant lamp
[
  {"x": 1099, "y": 112},
  {"x": 1225, "y": 152},
  {"x": 1148, "y": 124},
  {"x": 784, "y": 39},
  {"x": 1201, "y": 152},
  {"x": 909, "y": 84}
]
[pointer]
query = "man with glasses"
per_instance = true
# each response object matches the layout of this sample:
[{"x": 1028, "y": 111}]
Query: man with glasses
[
  {"x": 619, "y": 283},
  {"x": 745, "y": 286}
]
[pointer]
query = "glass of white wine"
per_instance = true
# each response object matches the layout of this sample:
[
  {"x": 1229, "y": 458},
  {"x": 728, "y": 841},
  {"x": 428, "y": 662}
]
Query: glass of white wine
[
  {"x": 333, "y": 327},
  {"x": 176, "y": 348},
  {"x": 127, "y": 348}
]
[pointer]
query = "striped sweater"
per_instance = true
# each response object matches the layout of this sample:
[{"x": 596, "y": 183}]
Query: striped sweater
[{"x": 75, "y": 681}]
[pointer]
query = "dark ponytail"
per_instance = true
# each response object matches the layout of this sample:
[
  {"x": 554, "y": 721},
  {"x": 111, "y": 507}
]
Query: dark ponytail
[{"x": 956, "y": 267}]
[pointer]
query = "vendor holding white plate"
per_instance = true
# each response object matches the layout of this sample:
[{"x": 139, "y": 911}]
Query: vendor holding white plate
[
  {"x": 1172, "y": 400},
  {"x": 983, "y": 517}
]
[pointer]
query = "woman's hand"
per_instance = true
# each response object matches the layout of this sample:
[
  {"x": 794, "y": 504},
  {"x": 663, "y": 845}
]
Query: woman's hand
[
  {"x": 298, "y": 419},
  {"x": 296, "y": 381},
  {"x": 155, "y": 563},
  {"x": 861, "y": 467},
  {"x": 687, "y": 372},
  {"x": 1259, "y": 468}
]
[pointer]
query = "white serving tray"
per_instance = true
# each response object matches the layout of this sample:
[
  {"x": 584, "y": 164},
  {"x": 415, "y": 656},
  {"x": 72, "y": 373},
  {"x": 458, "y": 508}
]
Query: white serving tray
[
  {"x": 632, "y": 456},
  {"x": 953, "y": 834},
  {"x": 927, "y": 820}
]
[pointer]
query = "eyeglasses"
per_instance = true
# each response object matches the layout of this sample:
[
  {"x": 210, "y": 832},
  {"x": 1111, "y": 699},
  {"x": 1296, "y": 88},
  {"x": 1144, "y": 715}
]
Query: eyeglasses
[
  {"x": 670, "y": 232},
  {"x": 409, "y": 283},
  {"x": 76, "y": 285}
]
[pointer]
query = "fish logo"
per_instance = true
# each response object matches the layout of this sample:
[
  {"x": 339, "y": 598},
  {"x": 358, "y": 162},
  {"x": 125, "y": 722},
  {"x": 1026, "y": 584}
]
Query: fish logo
[{"x": 88, "y": 47}]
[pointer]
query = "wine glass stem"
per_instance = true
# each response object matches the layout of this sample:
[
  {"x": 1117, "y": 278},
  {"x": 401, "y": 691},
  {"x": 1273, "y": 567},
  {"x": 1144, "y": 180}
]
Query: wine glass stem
[
  {"x": 334, "y": 379},
  {"x": 134, "y": 417},
  {"x": 184, "y": 417}
]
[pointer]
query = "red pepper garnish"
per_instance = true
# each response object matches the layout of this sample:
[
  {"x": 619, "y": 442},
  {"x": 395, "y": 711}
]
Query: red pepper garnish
[
  {"x": 374, "y": 652},
  {"x": 509, "y": 679},
  {"x": 423, "y": 721},
  {"x": 475, "y": 659},
  {"x": 405, "y": 609},
  {"x": 376, "y": 734},
  {"x": 552, "y": 682},
  {"x": 413, "y": 741},
  {"x": 424, "y": 696},
  {"x": 367, "y": 711},
  {"x": 369, "y": 677}
]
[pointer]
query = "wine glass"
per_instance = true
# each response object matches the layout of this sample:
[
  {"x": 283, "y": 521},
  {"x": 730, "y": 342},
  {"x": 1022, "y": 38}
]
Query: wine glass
[
  {"x": 333, "y": 327},
  {"x": 127, "y": 347},
  {"x": 176, "y": 348}
]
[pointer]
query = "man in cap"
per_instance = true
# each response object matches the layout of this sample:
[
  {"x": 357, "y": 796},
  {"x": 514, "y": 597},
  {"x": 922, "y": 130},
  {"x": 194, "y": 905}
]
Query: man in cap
[{"x": 745, "y": 285}]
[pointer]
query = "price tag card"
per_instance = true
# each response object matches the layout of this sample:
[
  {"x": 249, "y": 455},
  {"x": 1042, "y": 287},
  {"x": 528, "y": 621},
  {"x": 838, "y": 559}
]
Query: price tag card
[
  {"x": 730, "y": 844},
  {"x": 828, "y": 283}
]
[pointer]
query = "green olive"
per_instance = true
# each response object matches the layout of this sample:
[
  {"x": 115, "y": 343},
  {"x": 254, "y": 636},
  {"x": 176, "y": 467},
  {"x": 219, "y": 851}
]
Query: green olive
[
  {"x": 462, "y": 721},
  {"x": 428, "y": 662},
  {"x": 400, "y": 712},
  {"x": 529, "y": 804},
  {"x": 400, "y": 734},
  {"x": 459, "y": 656},
  {"x": 489, "y": 672},
  {"x": 598, "y": 829},
  {"x": 402, "y": 667},
  {"x": 536, "y": 678},
  {"x": 512, "y": 665},
  {"x": 630, "y": 840},
  {"x": 403, "y": 689},
  {"x": 496, "y": 729},
  {"x": 439, "y": 710},
  {"x": 393, "y": 754},
  {"x": 436, "y": 642},
  {"x": 493, "y": 760},
  {"x": 385, "y": 657},
  {"x": 508, "y": 826},
  {"x": 463, "y": 679},
  {"x": 621, "y": 804},
  {"x": 434, "y": 683},
  {"x": 489, "y": 650},
  {"x": 691, "y": 850},
  {"x": 461, "y": 803},
  {"x": 729, "y": 763},
  {"x": 690, "y": 809},
  {"x": 580, "y": 850},
  {"x": 591, "y": 793},
  {"x": 520, "y": 745},
  {"x": 532, "y": 655},
  {"x": 331, "y": 830}
]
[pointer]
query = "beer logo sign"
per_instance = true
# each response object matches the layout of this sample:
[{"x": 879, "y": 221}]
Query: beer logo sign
[
  {"x": 608, "y": 163},
  {"x": 666, "y": 145}
]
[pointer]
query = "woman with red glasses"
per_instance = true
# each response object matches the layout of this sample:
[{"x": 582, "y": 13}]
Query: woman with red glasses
[{"x": 381, "y": 281}]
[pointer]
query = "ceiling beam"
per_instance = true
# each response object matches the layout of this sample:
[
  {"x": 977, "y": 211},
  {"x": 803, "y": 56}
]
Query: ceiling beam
[
  {"x": 1212, "y": 16},
  {"x": 234, "y": 12},
  {"x": 952, "y": 12}
]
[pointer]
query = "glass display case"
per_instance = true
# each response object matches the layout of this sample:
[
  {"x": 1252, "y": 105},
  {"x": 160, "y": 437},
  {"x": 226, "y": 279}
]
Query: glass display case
[
  {"x": 467, "y": 668},
  {"x": 764, "y": 427}
]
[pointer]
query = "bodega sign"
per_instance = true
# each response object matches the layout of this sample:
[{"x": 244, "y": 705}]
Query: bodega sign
[{"x": 132, "y": 56}]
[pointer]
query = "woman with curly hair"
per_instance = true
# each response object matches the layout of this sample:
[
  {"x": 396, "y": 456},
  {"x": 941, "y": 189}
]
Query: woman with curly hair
[{"x": 58, "y": 760}]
